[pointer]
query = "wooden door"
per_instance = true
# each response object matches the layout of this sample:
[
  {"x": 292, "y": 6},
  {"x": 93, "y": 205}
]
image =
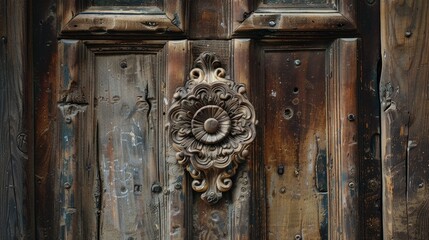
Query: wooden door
[{"x": 106, "y": 74}]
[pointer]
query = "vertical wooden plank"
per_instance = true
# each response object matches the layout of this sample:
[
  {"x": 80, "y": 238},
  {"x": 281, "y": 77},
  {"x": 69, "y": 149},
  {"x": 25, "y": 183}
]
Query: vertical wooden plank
[
  {"x": 405, "y": 112},
  {"x": 5, "y": 152},
  {"x": 45, "y": 73},
  {"x": 77, "y": 149},
  {"x": 243, "y": 190},
  {"x": 395, "y": 115},
  {"x": 369, "y": 122},
  {"x": 89, "y": 170},
  {"x": 209, "y": 19},
  {"x": 71, "y": 104},
  {"x": 211, "y": 221},
  {"x": 16, "y": 196},
  {"x": 177, "y": 184},
  {"x": 343, "y": 137}
]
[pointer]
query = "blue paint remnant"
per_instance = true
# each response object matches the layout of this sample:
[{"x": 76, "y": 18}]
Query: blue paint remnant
[
  {"x": 321, "y": 171},
  {"x": 66, "y": 75},
  {"x": 324, "y": 214}
]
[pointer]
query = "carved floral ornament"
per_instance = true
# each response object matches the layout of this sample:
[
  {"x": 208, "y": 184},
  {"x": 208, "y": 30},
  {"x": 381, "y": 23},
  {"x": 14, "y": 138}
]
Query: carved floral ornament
[{"x": 211, "y": 124}]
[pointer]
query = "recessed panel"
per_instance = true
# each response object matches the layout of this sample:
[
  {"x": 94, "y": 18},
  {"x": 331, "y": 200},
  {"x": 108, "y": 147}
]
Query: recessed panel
[
  {"x": 127, "y": 123},
  {"x": 126, "y": 2},
  {"x": 295, "y": 140},
  {"x": 297, "y": 2}
]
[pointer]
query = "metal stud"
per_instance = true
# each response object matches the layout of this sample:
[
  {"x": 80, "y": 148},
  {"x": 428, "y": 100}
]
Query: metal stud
[
  {"x": 408, "y": 34},
  {"x": 280, "y": 169},
  {"x": 156, "y": 188}
]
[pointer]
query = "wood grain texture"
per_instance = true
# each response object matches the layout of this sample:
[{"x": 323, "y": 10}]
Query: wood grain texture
[
  {"x": 369, "y": 122},
  {"x": 16, "y": 191},
  {"x": 404, "y": 96},
  {"x": 209, "y": 19}
]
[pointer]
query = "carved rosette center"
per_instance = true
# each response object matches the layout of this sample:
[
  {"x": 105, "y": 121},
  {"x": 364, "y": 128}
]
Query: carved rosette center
[{"x": 211, "y": 124}]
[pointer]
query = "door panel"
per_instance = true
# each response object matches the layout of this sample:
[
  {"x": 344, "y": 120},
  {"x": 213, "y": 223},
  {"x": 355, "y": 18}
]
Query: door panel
[
  {"x": 110, "y": 149},
  {"x": 127, "y": 117},
  {"x": 295, "y": 141},
  {"x": 308, "y": 168}
]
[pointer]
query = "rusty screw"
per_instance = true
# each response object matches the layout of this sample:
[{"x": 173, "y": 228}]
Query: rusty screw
[
  {"x": 280, "y": 169},
  {"x": 156, "y": 188},
  {"x": 68, "y": 120},
  {"x": 123, "y": 64},
  {"x": 408, "y": 34}
]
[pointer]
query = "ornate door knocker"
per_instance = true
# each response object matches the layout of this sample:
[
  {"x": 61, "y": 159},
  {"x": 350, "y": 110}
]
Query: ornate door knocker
[{"x": 211, "y": 124}]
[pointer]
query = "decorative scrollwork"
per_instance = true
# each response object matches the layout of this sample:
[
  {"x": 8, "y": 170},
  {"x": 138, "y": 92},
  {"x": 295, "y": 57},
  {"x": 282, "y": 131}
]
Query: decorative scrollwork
[{"x": 211, "y": 124}]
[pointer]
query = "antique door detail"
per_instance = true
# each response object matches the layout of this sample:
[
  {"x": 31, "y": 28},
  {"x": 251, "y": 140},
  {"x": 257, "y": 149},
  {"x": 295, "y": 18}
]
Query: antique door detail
[
  {"x": 146, "y": 119},
  {"x": 211, "y": 125}
]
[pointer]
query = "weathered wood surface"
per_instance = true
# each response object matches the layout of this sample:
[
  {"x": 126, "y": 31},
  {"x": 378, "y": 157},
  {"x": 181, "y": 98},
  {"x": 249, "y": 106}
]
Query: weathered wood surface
[
  {"x": 405, "y": 110},
  {"x": 16, "y": 191},
  {"x": 369, "y": 122}
]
